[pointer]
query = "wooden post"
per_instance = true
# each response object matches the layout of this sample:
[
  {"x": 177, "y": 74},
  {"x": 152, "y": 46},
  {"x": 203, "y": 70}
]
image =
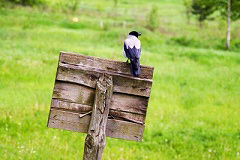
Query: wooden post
[{"x": 96, "y": 137}]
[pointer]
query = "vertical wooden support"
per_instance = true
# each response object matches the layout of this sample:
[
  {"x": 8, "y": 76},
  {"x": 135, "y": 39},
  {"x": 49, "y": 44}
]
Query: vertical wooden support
[{"x": 96, "y": 137}]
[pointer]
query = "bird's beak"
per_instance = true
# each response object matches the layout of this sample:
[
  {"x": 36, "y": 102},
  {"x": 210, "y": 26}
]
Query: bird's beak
[{"x": 139, "y": 34}]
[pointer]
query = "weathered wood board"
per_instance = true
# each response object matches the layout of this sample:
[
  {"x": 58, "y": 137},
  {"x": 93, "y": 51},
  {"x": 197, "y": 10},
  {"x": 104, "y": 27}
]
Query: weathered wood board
[{"x": 74, "y": 93}]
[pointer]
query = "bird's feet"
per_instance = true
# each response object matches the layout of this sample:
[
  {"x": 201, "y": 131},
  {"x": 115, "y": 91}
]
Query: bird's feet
[{"x": 127, "y": 61}]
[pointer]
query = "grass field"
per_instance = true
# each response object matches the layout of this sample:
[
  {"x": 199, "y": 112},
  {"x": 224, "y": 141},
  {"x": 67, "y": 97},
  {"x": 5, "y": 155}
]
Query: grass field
[{"x": 194, "y": 109}]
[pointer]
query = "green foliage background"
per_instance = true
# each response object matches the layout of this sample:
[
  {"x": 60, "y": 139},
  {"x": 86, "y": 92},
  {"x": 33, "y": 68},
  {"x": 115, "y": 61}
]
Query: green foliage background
[{"x": 195, "y": 101}]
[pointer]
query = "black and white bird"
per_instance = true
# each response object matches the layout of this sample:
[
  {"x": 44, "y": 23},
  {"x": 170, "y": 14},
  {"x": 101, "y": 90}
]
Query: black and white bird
[{"x": 132, "y": 51}]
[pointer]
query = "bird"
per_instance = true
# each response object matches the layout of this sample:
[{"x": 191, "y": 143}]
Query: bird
[{"x": 132, "y": 51}]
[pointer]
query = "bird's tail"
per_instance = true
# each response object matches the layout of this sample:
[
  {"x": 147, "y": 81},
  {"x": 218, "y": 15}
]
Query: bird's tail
[{"x": 135, "y": 67}]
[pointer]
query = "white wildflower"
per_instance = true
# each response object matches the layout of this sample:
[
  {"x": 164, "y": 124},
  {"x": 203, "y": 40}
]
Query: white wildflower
[{"x": 75, "y": 19}]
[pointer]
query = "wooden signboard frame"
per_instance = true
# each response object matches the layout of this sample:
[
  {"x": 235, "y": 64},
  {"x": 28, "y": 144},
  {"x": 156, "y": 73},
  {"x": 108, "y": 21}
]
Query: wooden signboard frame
[{"x": 101, "y": 98}]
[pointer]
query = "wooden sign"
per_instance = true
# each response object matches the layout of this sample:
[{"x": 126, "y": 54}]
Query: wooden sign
[{"x": 74, "y": 96}]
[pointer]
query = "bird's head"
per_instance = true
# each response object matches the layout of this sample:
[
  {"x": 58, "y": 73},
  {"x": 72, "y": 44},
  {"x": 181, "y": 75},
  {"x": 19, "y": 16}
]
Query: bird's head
[{"x": 135, "y": 33}]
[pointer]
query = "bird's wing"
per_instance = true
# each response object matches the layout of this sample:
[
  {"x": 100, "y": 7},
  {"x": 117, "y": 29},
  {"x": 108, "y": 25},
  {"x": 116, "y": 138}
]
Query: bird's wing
[{"x": 132, "y": 48}]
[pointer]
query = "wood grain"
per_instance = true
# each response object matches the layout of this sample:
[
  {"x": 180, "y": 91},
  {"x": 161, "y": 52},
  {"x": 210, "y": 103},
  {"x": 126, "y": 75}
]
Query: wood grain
[
  {"x": 87, "y": 76},
  {"x": 82, "y": 109},
  {"x": 70, "y": 106},
  {"x": 75, "y": 93},
  {"x": 115, "y": 128},
  {"x": 104, "y": 64},
  {"x": 96, "y": 136},
  {"x": 129, "y": 103},
  {"x": 68, "y": 121}
]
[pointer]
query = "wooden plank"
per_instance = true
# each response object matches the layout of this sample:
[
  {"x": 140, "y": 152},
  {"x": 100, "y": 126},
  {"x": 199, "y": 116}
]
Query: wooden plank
[
  {"x": 88, "y": 76},
  {"x": 82, "y": 109},
  {"x": 75, "y": 93},
  {"x": 70, "y": 106},
  {"x": 129, "y": 103},
  {"x": 103, "y": 64},
  {"x": 68, "y": 121},
  {"x": 115, "y": 128},
  {"x": 77, "y": 74},
  {"x": 131, "y": 86},
  {"x": 124, "y": 130},
  {"x": 125, "y": 116}
]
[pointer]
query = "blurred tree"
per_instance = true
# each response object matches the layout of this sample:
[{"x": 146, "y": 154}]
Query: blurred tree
[
  {"x": 115, "y": 3},
  {"x": 203, "y": 9},
  {"x": 188, "y": 8},
  {"x": 234, "y": 8},
  {"x": 73, "y": 4},
  {"x": 229, "y": 9},
  {"x": 152, "y": 18},
  {"x": 28, "y": 2},
  {"x": 229, "y": 25}
]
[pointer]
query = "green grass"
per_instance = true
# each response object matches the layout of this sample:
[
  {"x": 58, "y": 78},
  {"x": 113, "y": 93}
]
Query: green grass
[{"x": 194, "y": 107}]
